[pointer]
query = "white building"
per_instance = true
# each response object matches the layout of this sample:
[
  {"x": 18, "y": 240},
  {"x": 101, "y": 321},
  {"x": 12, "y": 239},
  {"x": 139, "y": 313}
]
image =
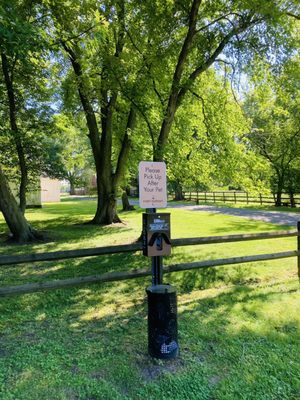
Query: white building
[{"x": 47, "y": 190}]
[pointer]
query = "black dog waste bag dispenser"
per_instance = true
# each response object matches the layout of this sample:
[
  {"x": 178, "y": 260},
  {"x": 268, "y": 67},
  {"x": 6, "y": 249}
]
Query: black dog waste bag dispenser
[
  {"x": 156, "y": 234},
  {"x": 162, "y": 303}
]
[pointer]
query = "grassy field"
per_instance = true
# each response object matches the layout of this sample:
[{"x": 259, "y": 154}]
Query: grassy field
[{"x": 239, "y": 326}]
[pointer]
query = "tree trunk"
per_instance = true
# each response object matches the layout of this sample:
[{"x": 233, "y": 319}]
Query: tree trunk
[
  {"x": 15, "y": 132},
  {"x": 178, "y": 191},
  {"x": 278, "y": 198},
  {"x": 107, "y": 181},
  {"x": 125, "y": 202},
  {"x": 280, "y": 185},
  {"x": 106, "y": 212},
  {"x": 292, "y": 199},
  {"x": 17, "y": 223},
  {"x": 179, "y": 87},
  {"x": 72, "y": 188}
]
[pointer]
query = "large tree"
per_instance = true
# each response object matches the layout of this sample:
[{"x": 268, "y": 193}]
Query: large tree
[
  {"x": 205, "y": 34},
  {"x": 206, "y": 147},
  {"x": 21, "y": 79},
  {"x": 19, "y": 227},
  {"x": 94, "y": 45},
  {"x": 23, "y": 83},
  {"x": 133, "y": 58},
  {"x": 74, "y": 151},
  {"x": 274, "y": 108}
]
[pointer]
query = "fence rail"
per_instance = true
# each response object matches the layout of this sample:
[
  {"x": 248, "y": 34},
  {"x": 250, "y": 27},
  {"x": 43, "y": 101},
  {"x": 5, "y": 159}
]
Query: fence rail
[
  {"x": 138, "y": 273},
  {"x": 130, "y": 248},
  {"x": 238, "y": 197},
  {"x": 124, "y": 275}
]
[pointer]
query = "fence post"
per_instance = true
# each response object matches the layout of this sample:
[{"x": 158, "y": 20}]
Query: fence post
[
  {"x": 260, "y": 198},
  {"x": 197, "y": 200},
  {"x": 234, "y": 193},
  {"x": 205, "y": 197},
  {"x": 247, "y": 196},
  {"x": 298, "y": 248},
  {"x": 214, "y": 196}
]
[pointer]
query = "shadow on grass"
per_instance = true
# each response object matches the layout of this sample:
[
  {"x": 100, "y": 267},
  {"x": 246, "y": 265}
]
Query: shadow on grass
[
  {"x": 64, "y": 231},
  {"x": 96, "y": 336},
  {"x": 64, "y": 269},
  {"x": 186, "y": 281}
]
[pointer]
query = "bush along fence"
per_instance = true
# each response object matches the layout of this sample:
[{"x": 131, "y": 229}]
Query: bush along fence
[
  {"x": 239, "y": 197},
  {"x": 137, "y": 273}
]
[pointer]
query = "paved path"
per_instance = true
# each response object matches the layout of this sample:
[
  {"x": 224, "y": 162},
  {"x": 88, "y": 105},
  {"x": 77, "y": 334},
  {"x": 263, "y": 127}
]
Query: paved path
[{"x": 275, "y": 217}]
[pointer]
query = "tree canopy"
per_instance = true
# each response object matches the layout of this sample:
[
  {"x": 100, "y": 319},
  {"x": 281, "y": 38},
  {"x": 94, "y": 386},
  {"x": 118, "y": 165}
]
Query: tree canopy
[
  {"x": 274, "y": 108},
  {"x": 157, "y": 77}
]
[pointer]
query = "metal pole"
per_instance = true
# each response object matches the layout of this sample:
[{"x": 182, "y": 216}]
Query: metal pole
[
  {"x": 157, "y": 268},
  {"x": 156, "y": 262}
]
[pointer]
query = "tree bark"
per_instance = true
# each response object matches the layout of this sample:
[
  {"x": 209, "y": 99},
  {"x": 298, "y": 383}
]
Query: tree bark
[
  {"x": 292, "y": 199},
  {"x": 180, "y": 86},
  {"x": 278, "y": 198},
  {"x": 72, "y": 188},
  {"x": 173, "y": 97},
  {"x": 279, "y": 190},
  {"x": 279, "y": 187},
  {"x": 107, "y": 181},
  {"x": 106, "y": 203},
  {"x": 17, "y": 223},
  {"x": 15, "y": 132},
  {"x": 125, "y": 202},
  {"x": 178, "y": 191}
]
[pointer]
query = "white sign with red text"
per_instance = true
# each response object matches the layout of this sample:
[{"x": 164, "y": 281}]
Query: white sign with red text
[{"x": 152, "y": 184}]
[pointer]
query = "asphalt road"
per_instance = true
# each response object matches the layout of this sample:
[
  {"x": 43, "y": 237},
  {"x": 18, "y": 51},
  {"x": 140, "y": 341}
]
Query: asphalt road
[{"x": 275, "y": 217}]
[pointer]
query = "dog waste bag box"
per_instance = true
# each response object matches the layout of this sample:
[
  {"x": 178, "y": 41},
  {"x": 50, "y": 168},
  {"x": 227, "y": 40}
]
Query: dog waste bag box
[{"x": 156, "y": 234}]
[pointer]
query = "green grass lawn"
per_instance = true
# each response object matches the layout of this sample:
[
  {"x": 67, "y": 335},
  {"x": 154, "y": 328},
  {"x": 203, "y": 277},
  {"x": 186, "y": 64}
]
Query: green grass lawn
[{"x": 238, "y": 326}]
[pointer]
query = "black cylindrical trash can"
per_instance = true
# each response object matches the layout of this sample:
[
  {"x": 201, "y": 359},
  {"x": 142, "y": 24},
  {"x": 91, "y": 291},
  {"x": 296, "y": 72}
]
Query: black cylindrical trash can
[{"x": 162, "y": 321}]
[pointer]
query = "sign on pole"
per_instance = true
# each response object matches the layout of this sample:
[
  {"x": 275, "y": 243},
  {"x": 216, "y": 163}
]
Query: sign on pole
[{"x": 152, "y": 184}]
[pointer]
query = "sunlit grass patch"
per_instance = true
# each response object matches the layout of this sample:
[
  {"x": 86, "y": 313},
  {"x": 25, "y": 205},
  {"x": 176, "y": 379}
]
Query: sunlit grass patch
[{"x": 239, "y": 326}]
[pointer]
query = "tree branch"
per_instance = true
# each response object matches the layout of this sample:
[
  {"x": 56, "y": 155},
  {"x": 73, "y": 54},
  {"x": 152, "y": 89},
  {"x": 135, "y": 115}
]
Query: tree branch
[
  {"x": 293, "y": 15},
  {"x": 173, "y": 96},
  {"x": 187, "y": 43},
  {"x": 203, "y": 110},
  {"x": 225, "y": 16},
  {"x": 148, "y": 66},
  {"x": 71, "y": 38},
  {"x": 125, "y": 148},
  {"x": 211, "y": 59}
]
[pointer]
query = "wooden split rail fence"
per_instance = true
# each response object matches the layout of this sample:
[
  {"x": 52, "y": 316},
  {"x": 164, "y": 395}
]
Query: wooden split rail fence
[
  {"x": 137, "y": 273},
  {"x": 237, "y": 197}
]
